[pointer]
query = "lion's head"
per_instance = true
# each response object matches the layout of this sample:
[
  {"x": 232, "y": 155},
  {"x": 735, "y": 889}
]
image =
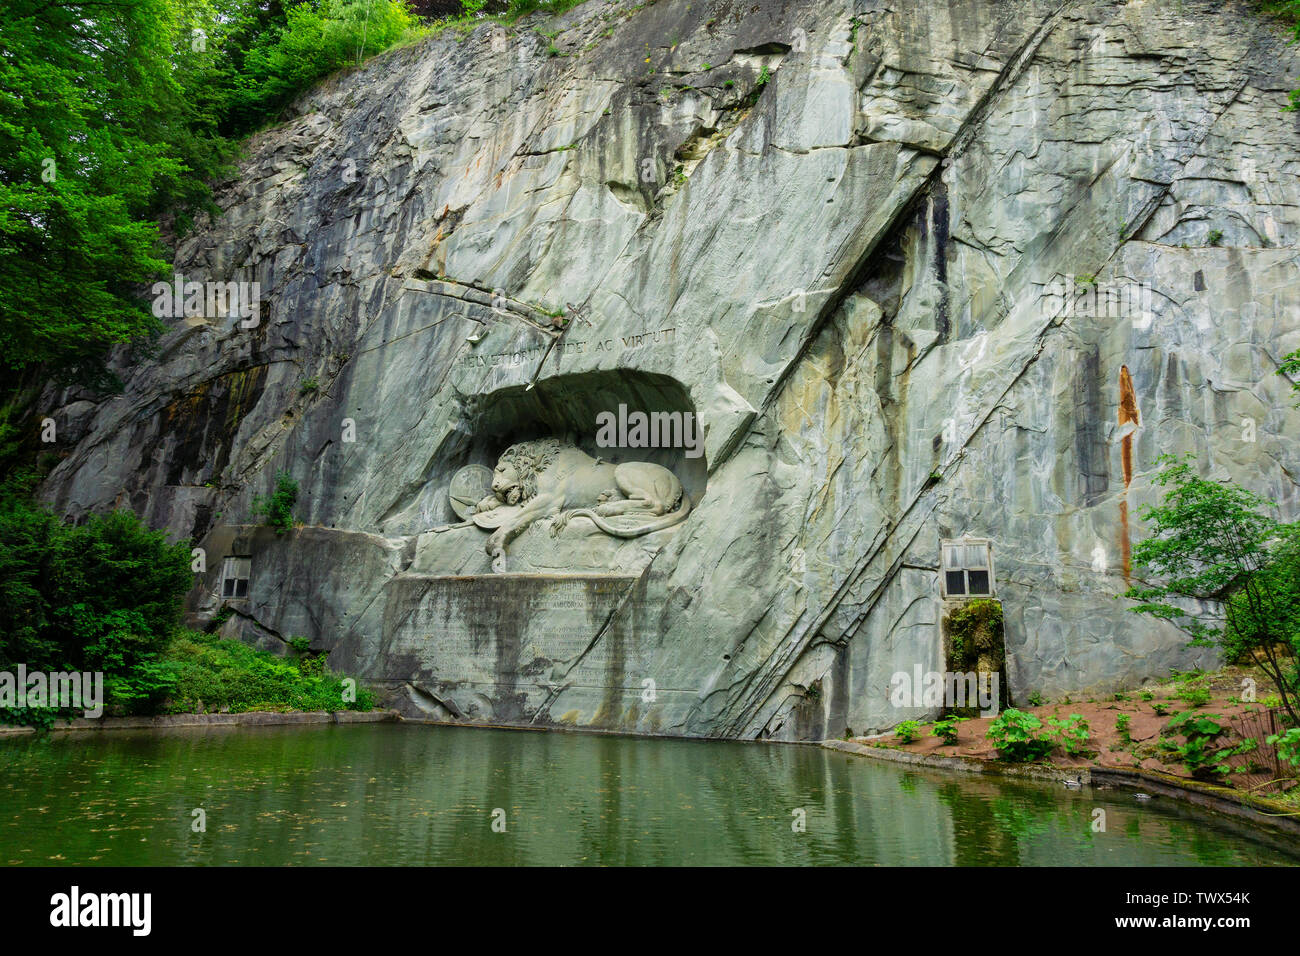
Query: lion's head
[{"x": 514, "y": 480}]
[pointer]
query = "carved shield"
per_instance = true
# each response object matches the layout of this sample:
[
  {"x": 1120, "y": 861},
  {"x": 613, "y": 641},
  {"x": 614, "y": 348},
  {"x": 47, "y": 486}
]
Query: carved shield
[{"x": 468, "y": 487}]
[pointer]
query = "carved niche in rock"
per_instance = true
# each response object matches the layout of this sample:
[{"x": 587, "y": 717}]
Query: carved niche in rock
[{"x": 549, "y": 478}]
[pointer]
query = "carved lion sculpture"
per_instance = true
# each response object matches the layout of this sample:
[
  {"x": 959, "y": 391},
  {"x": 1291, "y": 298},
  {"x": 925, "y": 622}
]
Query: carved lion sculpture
[{"x": 547, "y": 478}]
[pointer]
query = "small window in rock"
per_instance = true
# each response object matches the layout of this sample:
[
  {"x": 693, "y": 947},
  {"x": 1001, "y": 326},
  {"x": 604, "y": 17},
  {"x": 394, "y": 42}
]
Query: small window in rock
[
  {"x": 967, "y": 568},
  {"x": 234, "y": 577}
]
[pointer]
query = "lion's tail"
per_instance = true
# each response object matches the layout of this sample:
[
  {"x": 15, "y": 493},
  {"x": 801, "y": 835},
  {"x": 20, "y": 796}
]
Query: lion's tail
[{"x": 663, "y": 521}]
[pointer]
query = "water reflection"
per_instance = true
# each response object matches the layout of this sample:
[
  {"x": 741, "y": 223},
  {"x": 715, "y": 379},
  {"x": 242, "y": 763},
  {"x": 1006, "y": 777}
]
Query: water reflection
[{"x": 386, "y": 794}]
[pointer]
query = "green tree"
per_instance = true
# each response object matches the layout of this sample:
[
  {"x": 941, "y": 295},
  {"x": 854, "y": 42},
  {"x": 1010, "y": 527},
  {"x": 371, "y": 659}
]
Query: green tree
[
  {"x": 114, "y": 118},
  {"x": 97, "y": 141},
  {"x": 1215, "y": 550},
  {"x": 315, "y": 38},
  {"x": 101, "y": 596}
]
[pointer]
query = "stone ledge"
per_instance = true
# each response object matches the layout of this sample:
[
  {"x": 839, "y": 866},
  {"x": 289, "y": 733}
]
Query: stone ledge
[
  {"x": 1081, "y": 775},
  {"x": 252, "y": 718},
  {"x": 1203, "y": 795},
  {"x": 1206, "y": 795}
]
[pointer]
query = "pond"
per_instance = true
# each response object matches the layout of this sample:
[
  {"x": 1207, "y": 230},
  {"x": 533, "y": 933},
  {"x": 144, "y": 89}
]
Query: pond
[{"x": 390, "y": 794}]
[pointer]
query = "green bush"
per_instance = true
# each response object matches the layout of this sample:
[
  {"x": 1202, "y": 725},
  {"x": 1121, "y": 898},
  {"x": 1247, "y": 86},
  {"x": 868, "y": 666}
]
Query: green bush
[
  {"x": 1193, "y": 688},
  {"x": 1219, "y": 544},
  {"x": 1287, "y": 746},
  {"x": 1012, "y": 733},
  {"x": 222, "y": 673},
  {"x": 278, "y": 509},
  {"x": 1072, "y": 733},
  {"x": 946, "y": 729},
  {"x": 101, "y": 596},
  {"x": 1202, "y": 753},
  {"x": 1291, "y": 361},
  {"x": 1121, "y": 727},
  {"x": 907, "y": 732},
  {"x": 313, "y": 40}
]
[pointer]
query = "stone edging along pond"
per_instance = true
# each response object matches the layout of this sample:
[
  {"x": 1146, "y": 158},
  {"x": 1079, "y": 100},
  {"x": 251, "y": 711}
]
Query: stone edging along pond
[
  {"x": 252, "y": 718},
  {"x": 1207, "y": 796}
]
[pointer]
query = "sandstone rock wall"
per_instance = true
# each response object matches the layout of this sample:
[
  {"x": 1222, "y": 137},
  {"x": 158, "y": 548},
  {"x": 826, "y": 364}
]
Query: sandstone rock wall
[{"x": 833, "y": 231}]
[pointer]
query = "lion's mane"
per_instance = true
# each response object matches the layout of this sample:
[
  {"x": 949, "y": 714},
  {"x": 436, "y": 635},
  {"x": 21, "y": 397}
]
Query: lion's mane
[{"x": 530, "y": 458}]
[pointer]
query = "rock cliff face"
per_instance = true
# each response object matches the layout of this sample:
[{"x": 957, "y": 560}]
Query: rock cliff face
[{"x": 924, "y": 271}]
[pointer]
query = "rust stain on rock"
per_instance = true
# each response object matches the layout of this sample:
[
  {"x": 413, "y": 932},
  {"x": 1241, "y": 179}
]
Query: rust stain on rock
[{"x": 1128, "y": 415}]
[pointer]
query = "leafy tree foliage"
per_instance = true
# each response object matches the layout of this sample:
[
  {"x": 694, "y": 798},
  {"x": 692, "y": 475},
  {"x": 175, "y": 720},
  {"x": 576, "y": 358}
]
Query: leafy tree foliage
[
  {"x": 102, "y": 596},
  {"x": 1291, "y": 368},
  {"x": 86, "y": 103},
  {"x": 1231, "y": 568},
  {"x": 114, "y": 118},
  {"x": 314, "y": 40}
]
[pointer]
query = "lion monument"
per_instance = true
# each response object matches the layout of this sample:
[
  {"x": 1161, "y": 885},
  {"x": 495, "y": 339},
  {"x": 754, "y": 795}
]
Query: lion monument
[{"x": 548, "y": 478}]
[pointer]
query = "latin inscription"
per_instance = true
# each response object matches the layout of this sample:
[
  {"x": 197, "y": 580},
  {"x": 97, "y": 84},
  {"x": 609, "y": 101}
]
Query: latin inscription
[
  {"x": 534, "y": 353},
  {"x": 491, "y": 629}
]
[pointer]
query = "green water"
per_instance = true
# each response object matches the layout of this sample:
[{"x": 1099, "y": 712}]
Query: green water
[{"x": 417, "y": 795}]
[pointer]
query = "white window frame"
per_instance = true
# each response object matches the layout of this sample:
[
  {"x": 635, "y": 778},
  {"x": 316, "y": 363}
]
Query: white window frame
[
  {"x": 236, "y": 568},
  {"x": 987, "y": 545}
]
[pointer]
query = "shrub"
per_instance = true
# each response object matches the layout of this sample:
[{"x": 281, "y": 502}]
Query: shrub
[
  {"x": 1072, "y": 733},
  {"x": 223, "y": 673},
  {"x": 1287, "y": 745},
  {"x": 947, "y": 729},
  {"x": 1291, "y": 361},
  {"x": 1012, "y": 733},
  {"x": 907, "y": 731},
  {"x": 1194, "y": 696},
  {"x": 975, "y": 633},
  {"x": 278, "y": 509},
  {"x": 101, "y": 596},
  {"x": 1202, "y": 753},
  {"x": 314, "y": 40},
  {"x": 1121, "y": 727}
]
